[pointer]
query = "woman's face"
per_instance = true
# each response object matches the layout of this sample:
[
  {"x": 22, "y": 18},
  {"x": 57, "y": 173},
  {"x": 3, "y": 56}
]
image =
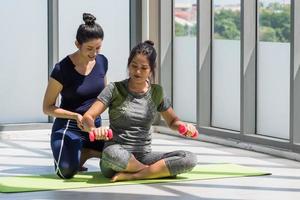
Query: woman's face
[
  {"x": 139, "y": 68},
  {"x": 90, "y": 49}
]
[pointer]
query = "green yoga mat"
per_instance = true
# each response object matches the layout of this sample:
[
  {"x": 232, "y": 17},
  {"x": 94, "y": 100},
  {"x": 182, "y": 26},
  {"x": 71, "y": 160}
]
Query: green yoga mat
[{"x": 95, "y": 179}]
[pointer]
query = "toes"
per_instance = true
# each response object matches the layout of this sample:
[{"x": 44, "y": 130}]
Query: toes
[{"x": 114, "y": 178}]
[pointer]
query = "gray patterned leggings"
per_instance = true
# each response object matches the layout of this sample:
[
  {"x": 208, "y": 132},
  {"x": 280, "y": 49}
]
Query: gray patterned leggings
[{"x": 115, "y": 159}]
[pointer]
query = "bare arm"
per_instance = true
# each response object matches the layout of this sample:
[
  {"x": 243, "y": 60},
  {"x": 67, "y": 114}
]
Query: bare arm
[
  {"x": 89, "y": 117},
  {"x": 173, "y": 121},
  {"x": 49, "y": 107}
]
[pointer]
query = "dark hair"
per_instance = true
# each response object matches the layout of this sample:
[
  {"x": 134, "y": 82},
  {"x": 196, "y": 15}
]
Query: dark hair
[
  {"x": 147, "y": 49},
  {"x": 89, "y": 30}
]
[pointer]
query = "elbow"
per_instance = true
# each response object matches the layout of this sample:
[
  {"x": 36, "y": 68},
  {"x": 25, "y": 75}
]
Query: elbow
[{"x": 46, "y": 109}]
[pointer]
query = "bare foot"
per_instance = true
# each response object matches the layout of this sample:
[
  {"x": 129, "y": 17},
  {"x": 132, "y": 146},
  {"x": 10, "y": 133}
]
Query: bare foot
[{"x": 122, "y": 176}]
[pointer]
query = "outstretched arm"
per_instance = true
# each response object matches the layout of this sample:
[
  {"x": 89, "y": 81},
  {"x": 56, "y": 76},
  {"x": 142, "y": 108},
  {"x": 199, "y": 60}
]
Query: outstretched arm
[
  {"x": 173, "y": 122},
  {"x": 171, "y": 119},
  {"x": 89, "y": 117}
]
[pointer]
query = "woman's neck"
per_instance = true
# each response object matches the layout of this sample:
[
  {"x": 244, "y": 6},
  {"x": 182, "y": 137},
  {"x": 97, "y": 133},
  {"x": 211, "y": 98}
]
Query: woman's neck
[
  {"x": 138, "y": 87},
  {"x": 79, "y": 61}
]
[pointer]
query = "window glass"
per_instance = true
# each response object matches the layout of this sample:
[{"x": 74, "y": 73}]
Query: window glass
[
  {"x": 273, "y": 70},
  {"x": 226, "y": 64},
  {"x": 184, "y": 59}
]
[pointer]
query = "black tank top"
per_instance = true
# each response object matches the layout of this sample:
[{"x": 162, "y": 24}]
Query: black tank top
[{"x": 79, "y": 91}]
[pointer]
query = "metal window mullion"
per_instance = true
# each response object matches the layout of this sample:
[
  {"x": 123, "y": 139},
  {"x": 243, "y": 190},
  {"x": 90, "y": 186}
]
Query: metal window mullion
[
  {"x": 135, "y": 22},
  {"x": 295, "y": 74},
  {"x": 53, "y": 37},
  {"x": 166, "y": 45},
  {"x": 248, "y": 68},
  {"x": 204, "y": 43}
]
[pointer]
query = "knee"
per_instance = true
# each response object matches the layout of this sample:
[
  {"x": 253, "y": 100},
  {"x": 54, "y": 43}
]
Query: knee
[
  {"x": 184, "y": 162},
  {"x": 191, "y": 160},
  {"x": 114, "y": 158},
  {"x": 106, "y": 170},
  {"x": 66, "y": 172},
  {"x": 109, "y": 156}
]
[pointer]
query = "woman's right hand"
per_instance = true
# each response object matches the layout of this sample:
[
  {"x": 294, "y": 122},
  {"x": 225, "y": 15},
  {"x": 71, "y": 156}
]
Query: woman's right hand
[{"x": 101, "y": 133}]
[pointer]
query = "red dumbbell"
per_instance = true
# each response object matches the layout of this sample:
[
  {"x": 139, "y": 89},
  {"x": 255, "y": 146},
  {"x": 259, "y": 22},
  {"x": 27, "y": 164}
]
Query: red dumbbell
[
  {"x": 92, "y": 135},
  {"x": 182, "y": 129}
]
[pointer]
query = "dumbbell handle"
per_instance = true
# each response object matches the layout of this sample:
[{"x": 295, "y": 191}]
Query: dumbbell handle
[
  {"x": 92, "y": 135},
  {"x": 182, "y": 129}
]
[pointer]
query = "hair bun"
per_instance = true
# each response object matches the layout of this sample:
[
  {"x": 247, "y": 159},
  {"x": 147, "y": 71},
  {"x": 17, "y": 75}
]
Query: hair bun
[
  {"x": 89, "y": 19},
  {"x": 150, "y": 42}
]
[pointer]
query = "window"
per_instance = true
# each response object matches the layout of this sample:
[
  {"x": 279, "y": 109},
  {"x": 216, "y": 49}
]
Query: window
[
  {"x": 24, "y": 60},
  {"x": 226, "y": 64},
  {"x": 273, "y": 70},
  {"x": 184, "y": 59}
]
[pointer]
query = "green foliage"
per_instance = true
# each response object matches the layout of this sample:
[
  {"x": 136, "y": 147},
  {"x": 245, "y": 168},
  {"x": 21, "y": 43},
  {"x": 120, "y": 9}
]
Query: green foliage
[
  {"x": 227, "y": 25},
  {"x": 277, "y": 18},
  {"x": 180, "y": 30},
  {"x": 185, "y": 30},
  {"x": 267, "y": 34},
  {"x": 274, "y": 24}
]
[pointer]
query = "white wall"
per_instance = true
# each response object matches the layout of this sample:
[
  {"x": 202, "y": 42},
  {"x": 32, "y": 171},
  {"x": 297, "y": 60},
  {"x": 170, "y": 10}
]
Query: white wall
[{"x": 24, "y": 60}]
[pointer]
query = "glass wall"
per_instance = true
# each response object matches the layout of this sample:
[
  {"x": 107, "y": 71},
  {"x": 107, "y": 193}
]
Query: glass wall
[
  {"x": 273, "y": 70},
  {"x": 24, "y": 60},
  {"x": 184, "y": 59},
  {"x": 226, "y": 64},
  {"x": 242, "y": 94}
]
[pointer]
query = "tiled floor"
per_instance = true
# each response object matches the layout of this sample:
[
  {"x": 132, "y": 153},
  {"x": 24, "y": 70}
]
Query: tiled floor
[{"x": 28, "y": 152}]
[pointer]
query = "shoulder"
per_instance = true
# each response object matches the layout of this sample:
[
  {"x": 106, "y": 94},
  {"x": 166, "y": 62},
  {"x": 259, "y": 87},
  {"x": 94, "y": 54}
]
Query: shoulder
[
  {"x": 119, "y": 92},
  {"x": 64, "y": 64},
  {"x": 117, "y": 88},
  {"x": 157, "y": 93},
  {"x": 156, "y": 86},
  {"x": 102, "y": 61},
  {"x": 113, "y": 90},
  {"x": 157, "y": 89},
  {"x": 63, "y": 67},
  {"x": 121, "y": 85},
  {"x": 111, "y": 85},
  {"x": 101, "y": 58}
]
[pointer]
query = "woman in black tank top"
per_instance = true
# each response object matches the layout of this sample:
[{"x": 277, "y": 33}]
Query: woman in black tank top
[{"x": 78, "y": 79}]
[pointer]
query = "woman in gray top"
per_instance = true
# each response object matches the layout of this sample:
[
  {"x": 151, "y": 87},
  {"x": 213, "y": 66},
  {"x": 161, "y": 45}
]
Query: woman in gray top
[{"x": 132, "y": 105}]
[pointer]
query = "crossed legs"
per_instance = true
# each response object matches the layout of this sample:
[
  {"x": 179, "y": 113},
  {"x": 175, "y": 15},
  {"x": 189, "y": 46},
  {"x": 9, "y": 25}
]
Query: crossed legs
[{"x": 119, "y": 164}]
